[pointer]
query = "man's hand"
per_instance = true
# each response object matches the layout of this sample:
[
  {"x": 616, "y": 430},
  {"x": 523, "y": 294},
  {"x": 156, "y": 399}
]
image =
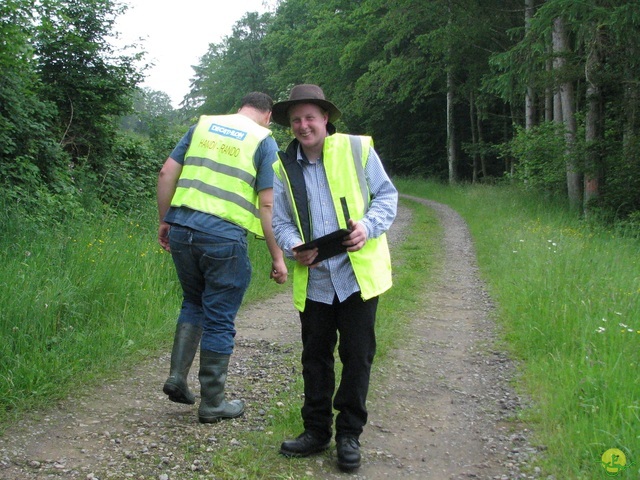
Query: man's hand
[
  {"x": 279, "y": 272},
  {"x": 357, "y": 238},
  {"x": 306, "y": 257},
  {"x": 163, "y": 236}
]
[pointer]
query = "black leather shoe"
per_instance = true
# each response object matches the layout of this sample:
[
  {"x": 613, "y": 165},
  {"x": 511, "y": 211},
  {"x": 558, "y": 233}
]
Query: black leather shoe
[
  {"x": 306, "y": 444},
  {"x": 348, "y": 453}
]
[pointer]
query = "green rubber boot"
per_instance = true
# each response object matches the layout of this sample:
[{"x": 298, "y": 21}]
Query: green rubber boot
[
  {"x": 185, "y": 346},
  {"x": 213, "y": 376}
]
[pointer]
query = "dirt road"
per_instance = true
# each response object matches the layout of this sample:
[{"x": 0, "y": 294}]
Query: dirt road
[{"x": 440, "y": 407}]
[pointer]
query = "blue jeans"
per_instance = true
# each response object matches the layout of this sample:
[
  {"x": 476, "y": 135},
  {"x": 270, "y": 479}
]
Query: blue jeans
[{"x": 214, "y": 273}]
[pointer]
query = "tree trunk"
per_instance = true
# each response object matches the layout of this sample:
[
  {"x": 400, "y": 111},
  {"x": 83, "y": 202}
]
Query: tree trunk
[
  {"x": 594, "y": 131},
  {"x": 451, "y": 132},
  {"x": 452, "y": 158},
  {"x": 474, "y": 138},
  {"x": 549, "y": 97},
  {"x": 529, "y": 102},
  {"x": 631, "y": 128},
  {"x": 566, "y": 93},
  {"x": 507, "y": 121},
  {"x": 483, "y": 164}
]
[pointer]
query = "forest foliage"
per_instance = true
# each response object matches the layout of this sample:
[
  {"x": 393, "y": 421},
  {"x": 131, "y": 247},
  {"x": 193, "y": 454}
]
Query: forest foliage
[{"x": 540, "y": 93}]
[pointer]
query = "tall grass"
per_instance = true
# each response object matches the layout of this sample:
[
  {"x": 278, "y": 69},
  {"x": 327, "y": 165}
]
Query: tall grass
[
  {"x": 568, "y": 297},
  {"x": 78, "y": 302},
  {"x": 84, "y": 301}
]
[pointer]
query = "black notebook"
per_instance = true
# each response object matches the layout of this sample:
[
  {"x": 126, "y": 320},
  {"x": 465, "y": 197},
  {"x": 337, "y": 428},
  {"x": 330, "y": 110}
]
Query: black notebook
[{"x": 329, "y": 245}]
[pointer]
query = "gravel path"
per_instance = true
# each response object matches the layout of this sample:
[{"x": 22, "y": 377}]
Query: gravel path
[{"x": 441, "y": 406}]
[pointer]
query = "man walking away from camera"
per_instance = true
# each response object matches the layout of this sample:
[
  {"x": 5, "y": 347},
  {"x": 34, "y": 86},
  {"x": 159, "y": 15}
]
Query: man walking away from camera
[{"x": 214, "y": 189}]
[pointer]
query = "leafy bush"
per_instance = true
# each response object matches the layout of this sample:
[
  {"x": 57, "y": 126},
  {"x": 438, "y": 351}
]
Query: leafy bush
[
  {"x": 540, "y": 157},
  {"x": 621, "y": 192},
  {"x": 130, "y": 177}
]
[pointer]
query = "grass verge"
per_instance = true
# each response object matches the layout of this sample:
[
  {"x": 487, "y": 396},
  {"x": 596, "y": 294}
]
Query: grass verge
[
  {"x": 568, "y": 296},
  {"x": 86, "y": 301}
]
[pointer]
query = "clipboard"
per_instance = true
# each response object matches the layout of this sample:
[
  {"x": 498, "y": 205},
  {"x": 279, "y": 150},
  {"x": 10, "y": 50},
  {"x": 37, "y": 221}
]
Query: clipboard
[{"x": 329, "y": 245}]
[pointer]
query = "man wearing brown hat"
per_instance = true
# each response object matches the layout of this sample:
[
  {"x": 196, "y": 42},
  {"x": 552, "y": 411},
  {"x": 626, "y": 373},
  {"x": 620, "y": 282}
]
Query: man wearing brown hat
[{"x": 328, "y": 182}]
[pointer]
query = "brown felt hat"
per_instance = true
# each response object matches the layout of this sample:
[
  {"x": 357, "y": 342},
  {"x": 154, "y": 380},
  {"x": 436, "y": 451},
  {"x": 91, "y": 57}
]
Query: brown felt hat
[{"x": 305, "y": 93}]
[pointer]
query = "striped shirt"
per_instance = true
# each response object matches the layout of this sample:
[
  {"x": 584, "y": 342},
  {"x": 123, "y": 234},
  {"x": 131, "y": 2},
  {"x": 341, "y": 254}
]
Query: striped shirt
[{"x": 334, "y": 276}]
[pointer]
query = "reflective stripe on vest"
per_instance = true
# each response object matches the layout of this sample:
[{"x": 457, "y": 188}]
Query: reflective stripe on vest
[{"x": 219, "y": 176}]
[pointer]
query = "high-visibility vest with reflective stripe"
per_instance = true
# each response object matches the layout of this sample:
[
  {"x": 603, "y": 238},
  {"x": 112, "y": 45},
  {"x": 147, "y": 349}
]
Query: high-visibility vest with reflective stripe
[
  {"x": 344, "y": 158},
  {"x": 219, "y": 175}
]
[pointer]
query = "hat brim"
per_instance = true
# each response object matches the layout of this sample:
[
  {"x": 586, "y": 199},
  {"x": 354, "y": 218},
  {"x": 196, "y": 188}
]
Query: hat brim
[{"x": 279, "y": 113}]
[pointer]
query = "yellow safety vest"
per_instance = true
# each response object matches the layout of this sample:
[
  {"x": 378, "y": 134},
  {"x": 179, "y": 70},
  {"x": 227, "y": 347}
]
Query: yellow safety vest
[
  {"x": 344, "y": 158},
  {"x": 219, "y": 175}
]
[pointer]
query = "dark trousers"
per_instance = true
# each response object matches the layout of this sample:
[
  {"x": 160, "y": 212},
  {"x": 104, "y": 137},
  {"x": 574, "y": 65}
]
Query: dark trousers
[{"x": 354, "y": 321}]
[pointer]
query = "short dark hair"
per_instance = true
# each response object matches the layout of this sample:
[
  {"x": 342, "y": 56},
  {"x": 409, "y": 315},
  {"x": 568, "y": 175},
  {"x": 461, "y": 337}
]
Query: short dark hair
[{"x": 258, "y": 100}]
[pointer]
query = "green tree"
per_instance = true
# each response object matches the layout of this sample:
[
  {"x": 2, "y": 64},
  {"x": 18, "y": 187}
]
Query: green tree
[
  {"x": 596, "y": 69},
  {"x": 231, "y": 69},
  {"x": 30, "y": 159},
  {"x": 420, "y": 60},
  {"x": 306, "y": 44},
  {"x": 82, "y": 77},
  {"x": 155, "y": 119},
  {"x": 444, "y": 85}
]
